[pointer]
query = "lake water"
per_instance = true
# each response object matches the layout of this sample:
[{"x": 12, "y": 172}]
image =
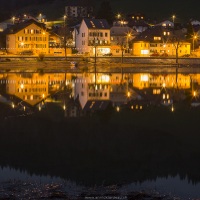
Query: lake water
[{"x": 139, "y": 131}]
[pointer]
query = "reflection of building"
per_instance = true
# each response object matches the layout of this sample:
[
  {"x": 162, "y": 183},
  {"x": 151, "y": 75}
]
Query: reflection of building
[
  {"x": 33, "y": 88},
  {"x": 107, "y": 87},
  {"x": 86, "y": 88},
  {"x": 144, "y": 80}
]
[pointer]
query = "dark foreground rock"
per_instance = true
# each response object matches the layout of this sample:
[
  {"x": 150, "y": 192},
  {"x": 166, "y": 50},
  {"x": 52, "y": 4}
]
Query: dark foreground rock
[{"x": 19, "y": 190}]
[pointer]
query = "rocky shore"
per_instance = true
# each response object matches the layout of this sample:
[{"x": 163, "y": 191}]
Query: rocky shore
[{"x": 20, "y": 190}]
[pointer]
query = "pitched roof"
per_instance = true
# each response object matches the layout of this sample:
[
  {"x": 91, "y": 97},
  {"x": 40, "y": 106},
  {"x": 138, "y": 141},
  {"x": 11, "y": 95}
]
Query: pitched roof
[
  {"x": 121, "y": 31},
  {"x": 96, "y": 23},
  {"x": 157, "y": 31},
  {"x": 96, "y": 105},
  {"x": 20, "y": 26}
]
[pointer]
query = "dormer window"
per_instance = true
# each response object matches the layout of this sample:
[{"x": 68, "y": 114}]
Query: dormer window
[
  {"x": 157, "y": 38},
  {"x": 166, "y": 33}
]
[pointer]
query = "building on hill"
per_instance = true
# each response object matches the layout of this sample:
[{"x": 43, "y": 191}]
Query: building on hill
[{"x": 79, "y": 9}]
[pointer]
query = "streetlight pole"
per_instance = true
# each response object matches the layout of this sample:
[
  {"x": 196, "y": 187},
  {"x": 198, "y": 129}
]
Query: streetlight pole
[
  {"x": 65, "y": 47},
  {"x": 173, "y": 17},
  {"x": 13, "y": 20},
  {"x": 194, "y": 38},
  {"x": 127, "y": 40}
]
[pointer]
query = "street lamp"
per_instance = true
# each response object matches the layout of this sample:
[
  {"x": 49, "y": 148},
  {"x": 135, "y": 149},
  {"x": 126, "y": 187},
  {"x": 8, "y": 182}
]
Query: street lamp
[
  {"x": 118, "y": 16},
  {"x": 40, "y": 17},
  {"x": 65, "y": 47},
  {"x": 127, "y": 40},
  {"x": 13, "y": 19},
  {"x": 173, "y": 18},
  {"x": 193, "y": 39}
]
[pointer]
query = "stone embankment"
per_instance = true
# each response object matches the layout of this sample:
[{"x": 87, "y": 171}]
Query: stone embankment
[{"x": 56, "y": 63}]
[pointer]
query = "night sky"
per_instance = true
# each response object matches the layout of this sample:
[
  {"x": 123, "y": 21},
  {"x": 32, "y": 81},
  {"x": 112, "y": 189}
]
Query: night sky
[{"x": 155, "y": 9}]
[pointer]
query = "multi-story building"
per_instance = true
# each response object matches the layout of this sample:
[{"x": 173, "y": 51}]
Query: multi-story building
[
  {"x": 160, "y": 40},
  {"x": 93, "y": 36},
  {"x": 79, "y": 9},
  {"x": 121, "y": 37},
  {"x": 28, "y": 35}
]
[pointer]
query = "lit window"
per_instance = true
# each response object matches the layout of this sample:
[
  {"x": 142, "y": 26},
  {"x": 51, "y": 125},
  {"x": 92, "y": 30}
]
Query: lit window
[{"x": 144, "y": 52}]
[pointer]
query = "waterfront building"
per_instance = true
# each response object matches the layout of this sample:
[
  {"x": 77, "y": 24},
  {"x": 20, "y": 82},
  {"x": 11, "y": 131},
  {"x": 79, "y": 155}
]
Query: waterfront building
[
  {"x": 161, "y": 41},
  {"x": 29, "y": 35},
  {"x": 92, "y": 37}
]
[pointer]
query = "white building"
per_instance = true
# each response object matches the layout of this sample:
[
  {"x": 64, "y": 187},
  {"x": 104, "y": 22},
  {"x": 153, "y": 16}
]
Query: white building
[{"x": 93, "y": 34}]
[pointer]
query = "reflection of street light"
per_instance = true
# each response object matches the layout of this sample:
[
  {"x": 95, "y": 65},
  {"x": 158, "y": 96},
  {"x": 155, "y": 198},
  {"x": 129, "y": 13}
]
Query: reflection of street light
[
  {"x": 96, "y": 41},
  {"x": 194, "y": 38}
]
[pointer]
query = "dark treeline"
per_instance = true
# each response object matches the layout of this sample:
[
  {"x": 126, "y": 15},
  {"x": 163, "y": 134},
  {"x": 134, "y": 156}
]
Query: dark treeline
[
  {"x": 108, "y": 148},
  {"x": 9, "y": 8}
]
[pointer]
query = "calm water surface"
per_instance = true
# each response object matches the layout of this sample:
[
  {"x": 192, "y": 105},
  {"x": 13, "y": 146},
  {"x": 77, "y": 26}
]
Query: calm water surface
[{"x": 147, "y": 140}]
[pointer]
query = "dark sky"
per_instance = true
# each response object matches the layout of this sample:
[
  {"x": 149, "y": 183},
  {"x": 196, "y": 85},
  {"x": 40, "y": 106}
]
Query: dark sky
[
  {"x": 184, "y": 9},
  {"x": 154, "y": 9}
]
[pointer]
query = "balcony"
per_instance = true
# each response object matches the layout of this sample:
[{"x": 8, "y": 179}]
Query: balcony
[{"x": 98, "y": 43}]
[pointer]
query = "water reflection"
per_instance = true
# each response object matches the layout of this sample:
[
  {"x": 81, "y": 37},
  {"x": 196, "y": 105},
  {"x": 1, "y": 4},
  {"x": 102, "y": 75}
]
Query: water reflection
[{"x": 101, "y": 128}]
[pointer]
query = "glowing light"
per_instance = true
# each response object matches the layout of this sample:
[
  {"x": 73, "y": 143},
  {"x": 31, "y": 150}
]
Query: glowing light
[
  {"x": 118, "y": 108},
  {"x": 22, "y": 86},
  {"x": 64, "y": 107},
  {"x": 144, "y": 77}
]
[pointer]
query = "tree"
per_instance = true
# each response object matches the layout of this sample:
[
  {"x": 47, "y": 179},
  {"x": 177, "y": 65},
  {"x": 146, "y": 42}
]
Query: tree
[
  {"x": 190, "y": 31},
  {"x": 105, "y": 12}
]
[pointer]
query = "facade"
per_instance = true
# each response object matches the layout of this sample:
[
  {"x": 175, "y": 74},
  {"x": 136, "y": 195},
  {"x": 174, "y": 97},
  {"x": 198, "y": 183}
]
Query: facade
[
  {"x": 121, "y": 37},
  {"x": 93, "y": 36},
  {"x": 166, "y": 23},
  {"x": 79, "y": 9},
  {"x": 159, "y": 40},
  {"x": 28, "y": 35}
]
